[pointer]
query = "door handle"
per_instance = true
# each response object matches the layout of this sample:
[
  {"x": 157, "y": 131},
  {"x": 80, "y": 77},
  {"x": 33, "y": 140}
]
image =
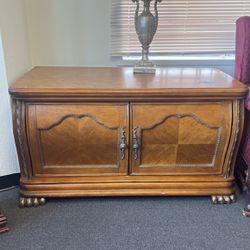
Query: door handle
[
  {"x": 135, "y": 144},
  {"x": 123, "y": 145}
]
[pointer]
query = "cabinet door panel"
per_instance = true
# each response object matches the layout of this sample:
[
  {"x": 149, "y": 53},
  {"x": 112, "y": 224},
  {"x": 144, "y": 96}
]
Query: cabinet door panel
[
  {"x": 180, "y": 138},
  {"x": 77, "y": 139}
]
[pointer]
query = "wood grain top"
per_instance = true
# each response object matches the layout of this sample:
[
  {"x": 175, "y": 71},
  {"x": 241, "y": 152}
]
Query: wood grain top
[{"x": 83, "y": 81}]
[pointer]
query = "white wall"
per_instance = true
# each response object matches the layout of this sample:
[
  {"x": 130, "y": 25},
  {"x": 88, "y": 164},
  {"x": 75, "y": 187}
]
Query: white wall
[
  {"x": 8, "y": 156},
  {"x": 69, "y": 32},
  {"x": 15, "y": 57},
  {"x": 14, "y": 36}
]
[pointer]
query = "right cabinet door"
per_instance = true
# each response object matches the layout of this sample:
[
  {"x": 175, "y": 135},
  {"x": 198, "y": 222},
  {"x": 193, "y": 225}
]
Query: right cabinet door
[{"x": 179, "y": 138}]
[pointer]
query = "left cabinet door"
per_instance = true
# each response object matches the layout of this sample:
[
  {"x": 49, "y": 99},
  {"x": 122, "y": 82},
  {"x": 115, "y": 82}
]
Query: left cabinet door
[{"x": 78, "y": 139}]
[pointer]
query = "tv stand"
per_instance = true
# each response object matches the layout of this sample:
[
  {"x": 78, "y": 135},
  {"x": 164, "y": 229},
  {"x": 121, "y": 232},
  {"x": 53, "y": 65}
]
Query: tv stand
[{"x": 84, "y": 132}]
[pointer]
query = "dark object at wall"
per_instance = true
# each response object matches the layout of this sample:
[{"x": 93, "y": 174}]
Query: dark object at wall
[{"x": 9, "y": 181}]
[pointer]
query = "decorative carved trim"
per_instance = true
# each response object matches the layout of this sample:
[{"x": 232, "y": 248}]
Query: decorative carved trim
[
  {"x": 235, "y": 139},
  {"x": 19, "y": 135},
  {"x": 76, "y": 117},
  {"x": 180, "y": 116}
]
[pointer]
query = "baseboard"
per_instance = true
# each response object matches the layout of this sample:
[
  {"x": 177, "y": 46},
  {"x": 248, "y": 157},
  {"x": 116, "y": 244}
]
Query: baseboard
[{"x": 9, "y": 181}]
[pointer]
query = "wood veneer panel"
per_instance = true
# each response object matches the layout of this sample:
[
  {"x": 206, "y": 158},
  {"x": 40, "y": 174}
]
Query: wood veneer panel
[
  {"x": 77, "y": 139},
  {"x": 181, "y": 138}
]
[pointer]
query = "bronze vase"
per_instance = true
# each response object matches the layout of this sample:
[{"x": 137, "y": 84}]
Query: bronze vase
[{"x": 146, "y": 25}]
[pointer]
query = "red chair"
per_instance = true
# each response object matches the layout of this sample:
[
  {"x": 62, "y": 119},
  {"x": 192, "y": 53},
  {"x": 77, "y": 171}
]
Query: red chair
[{"x": 242, "y": 73}]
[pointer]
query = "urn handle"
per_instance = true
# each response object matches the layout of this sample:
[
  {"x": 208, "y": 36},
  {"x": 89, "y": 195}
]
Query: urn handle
[
  {"x": 156, "y": 14},
  {"x": 137, "y": 10}
]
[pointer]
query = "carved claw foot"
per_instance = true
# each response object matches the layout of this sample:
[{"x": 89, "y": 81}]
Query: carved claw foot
[
  {"x": 223, "y": 199},
  {"x": 31, "y": 202},
  {"x": 246, "y": 211}
]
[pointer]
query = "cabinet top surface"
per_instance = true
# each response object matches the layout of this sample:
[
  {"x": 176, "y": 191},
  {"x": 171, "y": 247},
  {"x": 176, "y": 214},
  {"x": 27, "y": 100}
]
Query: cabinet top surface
[{"x": 121, "y": 81}]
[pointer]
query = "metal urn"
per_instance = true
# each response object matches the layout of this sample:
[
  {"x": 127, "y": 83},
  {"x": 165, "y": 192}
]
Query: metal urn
[{"x": 146, "y": 26}]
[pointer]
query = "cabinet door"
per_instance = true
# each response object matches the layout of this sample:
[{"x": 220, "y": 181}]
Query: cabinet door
[
  {"x": 79, "y": 139},
  {"x": 179, "y": 138}
]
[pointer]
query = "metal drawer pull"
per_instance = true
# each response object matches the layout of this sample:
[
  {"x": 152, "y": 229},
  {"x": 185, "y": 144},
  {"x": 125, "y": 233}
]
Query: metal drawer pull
[
  {"x": 123, "y": 145},
  {"x": 135, "y": 144}
]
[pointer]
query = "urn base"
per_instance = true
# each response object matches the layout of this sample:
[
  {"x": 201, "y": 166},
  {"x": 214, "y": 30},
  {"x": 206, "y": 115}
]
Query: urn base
[{"x": 145, "y": 67}]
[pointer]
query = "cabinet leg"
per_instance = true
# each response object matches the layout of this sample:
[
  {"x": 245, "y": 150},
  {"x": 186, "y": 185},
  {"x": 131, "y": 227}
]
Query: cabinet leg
[
  {"x": 223, "y": 199},
  {"x": 31, "y": 202}
]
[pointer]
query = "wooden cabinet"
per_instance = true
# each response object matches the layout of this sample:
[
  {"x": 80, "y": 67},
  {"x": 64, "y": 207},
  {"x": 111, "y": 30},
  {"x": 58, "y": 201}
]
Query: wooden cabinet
[{"x": 108, "y": 132}]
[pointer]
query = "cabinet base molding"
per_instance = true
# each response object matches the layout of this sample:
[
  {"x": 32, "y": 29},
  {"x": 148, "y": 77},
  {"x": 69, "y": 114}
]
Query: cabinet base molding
[
  {"x": 223, "y": 199},
  {"x": 50, "y": 190},
  {"x": 31, "y": 202},
  {"x": 225, "y": 190}
]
